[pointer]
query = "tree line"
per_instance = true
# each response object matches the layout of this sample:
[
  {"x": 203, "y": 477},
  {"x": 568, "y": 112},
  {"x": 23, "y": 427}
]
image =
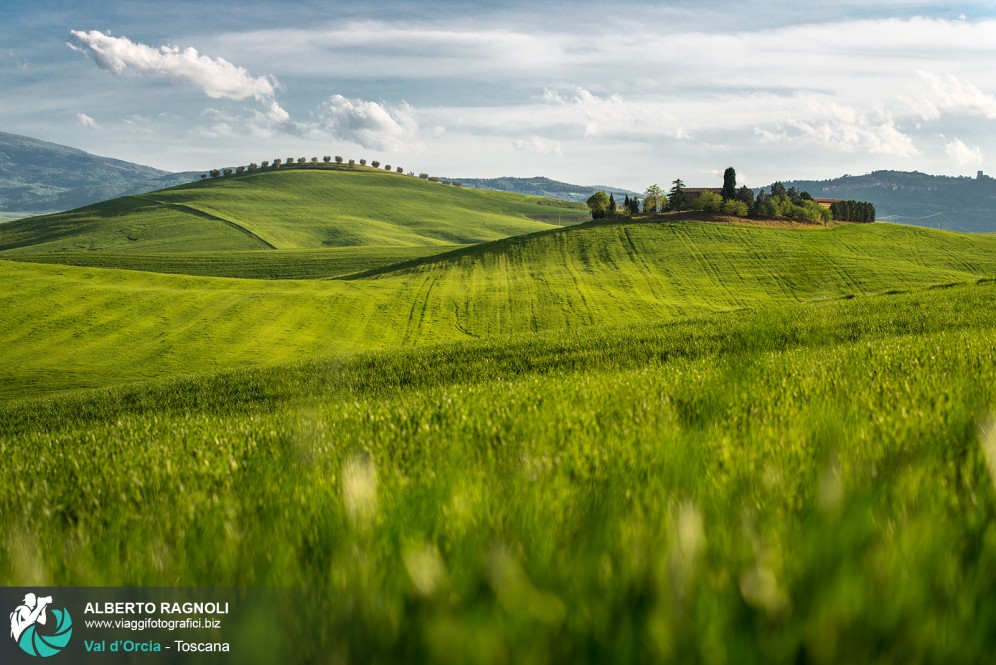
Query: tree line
[
  {"x": 776, "y": 203},
  {"x": 853, "y": 211},
  {"x": 304, "y": 162}
]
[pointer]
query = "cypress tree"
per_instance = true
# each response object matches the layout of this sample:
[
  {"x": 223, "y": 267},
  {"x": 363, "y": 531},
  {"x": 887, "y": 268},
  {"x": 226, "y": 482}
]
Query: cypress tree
[{"x": 729, "y": 184}]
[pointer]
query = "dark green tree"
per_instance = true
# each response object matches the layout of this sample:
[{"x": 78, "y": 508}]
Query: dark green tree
[
  {"x": 746, "y": 194},
  {"x": 634, "y": 206},
  {"x": 676, "y": 197},
  {"x": 760, "y": 206},
  {"x": 612, "y": 206},
  {"x": 778, "y": 189},
  {"x": 729, "y": 184},
  {"x": 598, "y": 204}
]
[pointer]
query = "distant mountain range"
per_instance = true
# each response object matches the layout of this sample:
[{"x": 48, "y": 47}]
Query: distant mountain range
[
  {"x": 544, "y": 187},
  {"x": 38, "y": 177},
  {"x": 956, "y": 204}
]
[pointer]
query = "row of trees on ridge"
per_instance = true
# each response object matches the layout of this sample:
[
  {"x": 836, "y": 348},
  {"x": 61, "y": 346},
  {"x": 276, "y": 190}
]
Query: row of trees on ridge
[{"x": 300, "y": 162}]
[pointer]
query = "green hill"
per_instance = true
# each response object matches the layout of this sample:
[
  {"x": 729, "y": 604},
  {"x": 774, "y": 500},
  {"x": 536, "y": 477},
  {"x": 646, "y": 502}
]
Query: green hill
[
  {"x": 65, "y": 327},
  {"x": 288, "y": 209},
  {"x": 642, "y": 442}
]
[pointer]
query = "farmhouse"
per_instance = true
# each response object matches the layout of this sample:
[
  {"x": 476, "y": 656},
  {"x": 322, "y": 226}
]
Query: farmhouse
[
  {"x": 826, "y": 203},
  {"x": 693, "y": 193}
]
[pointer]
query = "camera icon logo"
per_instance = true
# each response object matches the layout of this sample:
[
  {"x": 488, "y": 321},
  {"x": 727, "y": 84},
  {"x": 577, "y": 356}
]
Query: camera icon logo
[{"x": 30, "y": 627}]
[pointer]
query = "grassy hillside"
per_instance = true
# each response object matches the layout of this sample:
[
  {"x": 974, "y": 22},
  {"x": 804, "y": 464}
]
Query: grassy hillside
[
  {"x": 291, "y": 209},
  {"x": 65, "y": 327},
  {"x": 248, "y": 264},
  {"x": 803, "y": 483}
]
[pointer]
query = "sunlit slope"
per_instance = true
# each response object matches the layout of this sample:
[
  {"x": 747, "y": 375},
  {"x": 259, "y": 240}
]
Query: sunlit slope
[
  {"x": 248, "y": 264},
  {"x": 64, "y": 327},
  {"x": 293, "y": 209}
]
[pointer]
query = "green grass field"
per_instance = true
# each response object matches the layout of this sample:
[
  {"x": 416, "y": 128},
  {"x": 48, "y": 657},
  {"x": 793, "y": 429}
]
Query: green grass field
[
  {"x": 620, "y": 442},
  {"x": 291, "y": 209},
  {"x": 67, "y": 327},
  {"x": 248, "y": 264}
]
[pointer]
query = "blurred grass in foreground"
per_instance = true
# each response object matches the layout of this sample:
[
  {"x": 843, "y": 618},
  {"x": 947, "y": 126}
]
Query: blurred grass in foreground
[{"x": 802, "y": 484}]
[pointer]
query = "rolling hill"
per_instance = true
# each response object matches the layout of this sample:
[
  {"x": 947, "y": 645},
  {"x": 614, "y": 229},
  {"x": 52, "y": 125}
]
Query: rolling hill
[
  {"x": 287, "y": 209},
  {"x": 38, "y": 176},
  {"x": 74, "y": 327}
]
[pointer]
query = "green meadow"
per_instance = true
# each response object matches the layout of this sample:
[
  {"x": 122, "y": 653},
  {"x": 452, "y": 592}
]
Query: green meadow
[
  {"x": 671, "y": 441},
  {"x": 287, "y": 209}
]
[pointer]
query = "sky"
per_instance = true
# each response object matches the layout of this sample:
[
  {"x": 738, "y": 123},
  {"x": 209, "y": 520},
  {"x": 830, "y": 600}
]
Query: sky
[{"x": 624, "y": 93}]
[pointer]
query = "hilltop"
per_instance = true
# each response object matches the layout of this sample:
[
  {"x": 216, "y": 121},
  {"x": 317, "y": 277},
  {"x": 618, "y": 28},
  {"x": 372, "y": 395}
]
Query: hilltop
[
  {"x": 38, "y": 176},
  {"x": 293, "y": 208}
]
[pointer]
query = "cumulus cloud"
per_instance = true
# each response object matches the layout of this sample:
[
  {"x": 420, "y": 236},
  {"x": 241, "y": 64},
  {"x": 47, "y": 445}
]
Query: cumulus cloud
[
  {"x": 952, "y": 95},
  {"x": 87, "y": 121},
  {"x": 846, "y": 129},
  {"x": 963, "y": 154},
  {"x": 370, "y": 124},
  {"x": 215, "y": 77}
]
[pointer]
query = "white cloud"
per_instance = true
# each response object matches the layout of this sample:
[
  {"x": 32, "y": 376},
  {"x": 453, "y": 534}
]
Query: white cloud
[
  {"x": 87, "y": 121},
  {"x": 845, "y": 129},
  {"x": 950, "y": 94},
  {"x": 963, "y": 154},
  {"x": 370, "y": 124},
  {"x": 215, "y": 77}
]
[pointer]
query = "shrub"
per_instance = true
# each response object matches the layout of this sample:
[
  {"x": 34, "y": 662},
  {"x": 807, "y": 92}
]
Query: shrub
[
  {"x": 709, "y": 202},
  {"x": 735, "y": 208}
]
